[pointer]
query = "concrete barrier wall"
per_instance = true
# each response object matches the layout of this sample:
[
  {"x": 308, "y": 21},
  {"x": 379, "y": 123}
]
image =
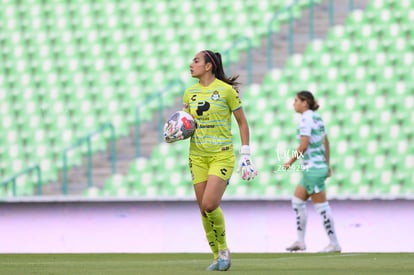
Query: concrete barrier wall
[{"x": 252, "y": 226}]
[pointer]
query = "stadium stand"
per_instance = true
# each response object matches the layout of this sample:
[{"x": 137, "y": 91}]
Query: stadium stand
[
  {"x": 360, "y": 77},
  {"x": 67, "y": 67}
]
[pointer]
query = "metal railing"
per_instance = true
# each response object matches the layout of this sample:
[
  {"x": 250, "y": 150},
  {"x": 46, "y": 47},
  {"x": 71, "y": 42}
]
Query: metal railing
[
  {"x": 88, "y": 140},
  {"x": 290, "y": 34},
  {"x": 244, "y": 40},
  {"x": 25, "y": 171},
  {"x": 276, "y": 16}
]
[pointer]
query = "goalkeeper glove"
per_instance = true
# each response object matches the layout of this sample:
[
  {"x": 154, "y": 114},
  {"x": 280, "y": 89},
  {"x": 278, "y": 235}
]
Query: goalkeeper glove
[
  {"x": 246, "y": 166},
  {"x": 171, "y": 132}
]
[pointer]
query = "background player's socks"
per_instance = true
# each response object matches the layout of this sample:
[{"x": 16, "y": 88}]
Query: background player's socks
[
  {"x": 299, "y": 206},
  {"x": 325, "y": 211}
]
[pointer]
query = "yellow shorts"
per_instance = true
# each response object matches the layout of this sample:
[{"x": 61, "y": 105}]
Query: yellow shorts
[{"x": 220, "y": 165}]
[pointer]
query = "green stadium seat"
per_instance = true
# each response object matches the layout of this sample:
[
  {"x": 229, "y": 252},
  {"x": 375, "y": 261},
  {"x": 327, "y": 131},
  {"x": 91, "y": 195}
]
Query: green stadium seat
[{"x": 115, "y": 186}]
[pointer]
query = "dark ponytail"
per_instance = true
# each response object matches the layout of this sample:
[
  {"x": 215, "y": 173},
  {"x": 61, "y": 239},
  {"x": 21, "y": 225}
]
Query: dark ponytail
[
  {"x": 309, "y": 98},
  {"x": 218, "y": 70}
]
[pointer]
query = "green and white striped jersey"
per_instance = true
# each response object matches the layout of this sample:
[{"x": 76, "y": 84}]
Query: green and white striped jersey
[{"x": 312, "y": 125}]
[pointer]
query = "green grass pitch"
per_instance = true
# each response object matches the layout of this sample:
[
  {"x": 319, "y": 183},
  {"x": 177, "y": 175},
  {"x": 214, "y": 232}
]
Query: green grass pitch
[{"x": 188, "y": 263}]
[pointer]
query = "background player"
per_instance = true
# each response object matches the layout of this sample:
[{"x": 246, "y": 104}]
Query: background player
[{"x": 314, "y": 152}]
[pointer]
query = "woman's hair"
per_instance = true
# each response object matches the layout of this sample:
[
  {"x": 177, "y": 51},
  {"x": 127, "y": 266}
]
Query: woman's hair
[
  {"x": 309, "y": 98},
  {"x": 218, "y": 70}
]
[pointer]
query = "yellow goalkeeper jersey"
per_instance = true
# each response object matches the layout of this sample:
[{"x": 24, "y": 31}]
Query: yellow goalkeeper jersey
[{"x": 212, "y": 107}]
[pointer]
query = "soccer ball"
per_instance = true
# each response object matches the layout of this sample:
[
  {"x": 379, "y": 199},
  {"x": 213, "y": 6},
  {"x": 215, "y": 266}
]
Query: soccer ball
[{"x": 180, "y": 125}]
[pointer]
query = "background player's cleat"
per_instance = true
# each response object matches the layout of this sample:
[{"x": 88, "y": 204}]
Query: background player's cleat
[
  {"x": 331, "y": 248},
  {"x": 214, "y": 266},
  {"x": 296, "y": 246},
  {"x": 224, "y": 261}
]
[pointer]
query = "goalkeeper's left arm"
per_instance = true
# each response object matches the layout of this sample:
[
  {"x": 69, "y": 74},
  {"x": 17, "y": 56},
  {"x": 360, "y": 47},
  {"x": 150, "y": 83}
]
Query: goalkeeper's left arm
[{"x": 246, "y": 166}]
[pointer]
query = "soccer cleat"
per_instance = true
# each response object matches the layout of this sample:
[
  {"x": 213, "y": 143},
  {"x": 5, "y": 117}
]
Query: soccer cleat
[
  {"x": 224, "y": 261},
  {"x": 214, "y": 266},
  {"x": 331, "y": 248},
  {"x": 296, "y": 246}
]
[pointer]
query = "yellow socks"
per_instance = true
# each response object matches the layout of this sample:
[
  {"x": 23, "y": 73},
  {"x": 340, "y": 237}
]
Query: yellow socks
[
  {"x": 216, "y": 219},
  {"x": 211, "y": 236}
]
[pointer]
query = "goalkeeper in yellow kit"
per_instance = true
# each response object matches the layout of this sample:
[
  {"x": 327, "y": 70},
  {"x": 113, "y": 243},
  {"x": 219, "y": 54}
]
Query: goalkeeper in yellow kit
[{"x": 212, "y": 101}]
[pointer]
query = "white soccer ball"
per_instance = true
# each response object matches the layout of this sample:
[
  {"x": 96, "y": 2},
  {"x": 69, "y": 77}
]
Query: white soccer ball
[{"x": 180, "y": 125}]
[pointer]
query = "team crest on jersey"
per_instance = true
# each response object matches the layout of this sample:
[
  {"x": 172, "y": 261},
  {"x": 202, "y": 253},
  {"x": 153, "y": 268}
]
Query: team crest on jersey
[{"x": 215, "y": 95}]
